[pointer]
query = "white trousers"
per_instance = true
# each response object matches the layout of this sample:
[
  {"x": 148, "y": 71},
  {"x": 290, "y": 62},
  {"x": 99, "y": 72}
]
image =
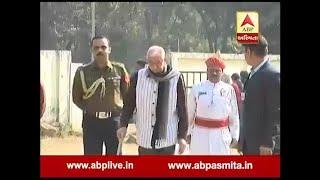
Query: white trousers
[{"x": 210, "y": 141}]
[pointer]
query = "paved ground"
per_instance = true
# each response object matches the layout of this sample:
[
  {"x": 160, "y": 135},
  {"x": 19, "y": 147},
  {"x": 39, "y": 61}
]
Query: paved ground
[{"x": 72, "y": 145}]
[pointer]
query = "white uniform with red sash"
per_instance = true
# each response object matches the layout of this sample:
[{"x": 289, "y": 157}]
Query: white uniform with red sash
[{"x": 213, "y": 117}]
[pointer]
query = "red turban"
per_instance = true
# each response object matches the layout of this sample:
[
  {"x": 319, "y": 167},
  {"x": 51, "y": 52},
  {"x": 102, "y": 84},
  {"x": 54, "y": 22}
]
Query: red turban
[{"x": 215, "y": 60}]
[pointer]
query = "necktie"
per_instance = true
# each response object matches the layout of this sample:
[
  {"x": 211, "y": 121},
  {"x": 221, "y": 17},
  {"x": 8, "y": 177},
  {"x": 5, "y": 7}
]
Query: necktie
[
  {"x": 251, "y": 73},
  {"x": 246, "y": 82}
]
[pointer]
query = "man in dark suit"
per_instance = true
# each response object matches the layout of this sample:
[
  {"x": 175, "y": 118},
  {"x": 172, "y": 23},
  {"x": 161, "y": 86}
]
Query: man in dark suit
[{"x": 261, "y": 107}]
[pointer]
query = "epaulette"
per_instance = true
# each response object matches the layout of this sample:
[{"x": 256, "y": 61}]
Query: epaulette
[
  {"x": 119, "y": 64},
  {"x": 87, "y": 65}
]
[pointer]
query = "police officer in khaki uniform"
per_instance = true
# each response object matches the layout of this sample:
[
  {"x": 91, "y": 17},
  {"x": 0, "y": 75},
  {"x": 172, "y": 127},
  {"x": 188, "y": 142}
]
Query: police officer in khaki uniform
[{"x": 98, "y": 89}]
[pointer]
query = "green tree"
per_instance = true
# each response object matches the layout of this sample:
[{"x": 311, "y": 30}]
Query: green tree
[{"x": 134, "y": 26}]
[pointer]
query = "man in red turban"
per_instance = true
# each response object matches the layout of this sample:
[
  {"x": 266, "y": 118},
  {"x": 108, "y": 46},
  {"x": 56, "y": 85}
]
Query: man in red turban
[{"x": 213, "y": 113}]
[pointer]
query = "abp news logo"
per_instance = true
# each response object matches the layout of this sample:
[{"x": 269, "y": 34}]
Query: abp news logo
[{"x": 247, "y": 27}]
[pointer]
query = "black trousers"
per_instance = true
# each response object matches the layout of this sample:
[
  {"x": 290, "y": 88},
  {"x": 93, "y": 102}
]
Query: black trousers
[
  {"x": 246, "y": 150},
  {"x": 162, "y": 151},
  {"x": 256, "y": 150},
  {"x": 98, "y": 131}
]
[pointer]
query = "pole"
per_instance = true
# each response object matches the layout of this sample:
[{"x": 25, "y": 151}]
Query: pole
[
  {"x": 92, "y": 23},
  {"x": 178, "y": 45}
]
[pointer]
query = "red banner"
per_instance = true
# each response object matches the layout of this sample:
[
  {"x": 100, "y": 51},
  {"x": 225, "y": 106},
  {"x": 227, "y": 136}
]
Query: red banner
[
  {"x": 160, "y": 166},
  {"x": 248, "y": 38}
]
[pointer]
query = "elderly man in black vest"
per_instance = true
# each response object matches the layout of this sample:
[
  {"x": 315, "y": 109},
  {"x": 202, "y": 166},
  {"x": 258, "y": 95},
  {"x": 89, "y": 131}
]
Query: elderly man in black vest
[{"x": 158, "y": 94}]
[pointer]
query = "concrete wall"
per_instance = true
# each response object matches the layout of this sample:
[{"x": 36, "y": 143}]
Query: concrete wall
[
  {"x": 54, "y": 74},
  {"x": 195, "y": 62}
]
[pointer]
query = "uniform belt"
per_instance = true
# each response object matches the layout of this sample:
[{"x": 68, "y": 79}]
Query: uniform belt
[
  {"x": 104, "y": 115},
  {"x": 212, "y": 123}
]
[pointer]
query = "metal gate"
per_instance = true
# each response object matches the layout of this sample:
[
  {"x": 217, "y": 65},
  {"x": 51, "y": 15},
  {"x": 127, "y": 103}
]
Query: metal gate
[{"x": 193, "y": 77}]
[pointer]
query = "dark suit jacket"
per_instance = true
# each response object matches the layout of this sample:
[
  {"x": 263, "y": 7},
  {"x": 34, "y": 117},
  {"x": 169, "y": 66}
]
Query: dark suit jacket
[
  {"x": 261, "y": 110},
  {"x": 42, "y": 100}
]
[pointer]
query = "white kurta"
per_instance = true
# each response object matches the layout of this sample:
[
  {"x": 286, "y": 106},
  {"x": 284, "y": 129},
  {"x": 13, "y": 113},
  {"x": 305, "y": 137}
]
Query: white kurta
[{"x": 212, "y": 101}]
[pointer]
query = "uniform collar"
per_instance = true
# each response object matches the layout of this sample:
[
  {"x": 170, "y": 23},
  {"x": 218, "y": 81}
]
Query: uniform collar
[{"x": 109, "y": 65}]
